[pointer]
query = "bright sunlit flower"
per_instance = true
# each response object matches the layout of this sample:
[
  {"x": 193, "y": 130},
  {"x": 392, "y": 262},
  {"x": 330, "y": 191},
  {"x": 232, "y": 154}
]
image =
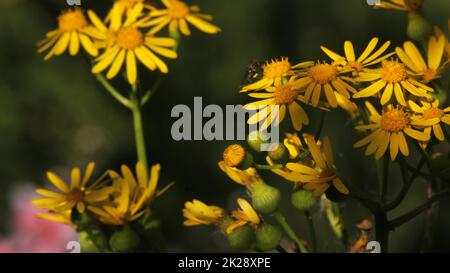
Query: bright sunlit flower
[
  {"x": 132, "y": 194},
  {"x": 327, "y": 78},
  {"x": 389, "y": 131},
  {"x": 394, "y": 78},
  {"x": 412, "y": 58},
  {"x": 127, "y": 43},
  {"x": 73, "y": 30},
  {"x": 367, "y": 58},
  {"x": 198, "y": 213},
  {"x": 246, "y": 215},
  {"x": 74, "y": 194},
  {"x": 177, "y": 15},
  {"x": 275, "y": 102},
  {"x": 430, "y": 117},
  {"x": 402, "y": 5},
  {"x": 321, "y": 174},
  {"x": 274, "y": 72}
]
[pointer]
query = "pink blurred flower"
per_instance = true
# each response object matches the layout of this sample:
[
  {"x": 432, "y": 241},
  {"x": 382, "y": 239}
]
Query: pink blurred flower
[{"x": 32, "y": 234}]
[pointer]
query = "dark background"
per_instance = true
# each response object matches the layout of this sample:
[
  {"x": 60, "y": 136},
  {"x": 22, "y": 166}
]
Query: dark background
[{"x": 54, "y": 115}]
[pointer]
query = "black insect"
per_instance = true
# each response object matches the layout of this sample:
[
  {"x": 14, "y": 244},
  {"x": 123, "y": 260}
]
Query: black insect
[{"x": 254, "y": 72}]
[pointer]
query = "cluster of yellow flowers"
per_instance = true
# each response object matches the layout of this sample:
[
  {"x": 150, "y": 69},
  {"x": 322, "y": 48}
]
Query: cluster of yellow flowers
[
  {"x": 127, "y": 34},
  {"x": 115, "y": 198},
  {"x": 389, "y": 95}
]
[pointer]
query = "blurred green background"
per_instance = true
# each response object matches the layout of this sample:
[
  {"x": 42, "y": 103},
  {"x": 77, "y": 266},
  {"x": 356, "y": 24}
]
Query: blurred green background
[{"x": 54, "y": 115}]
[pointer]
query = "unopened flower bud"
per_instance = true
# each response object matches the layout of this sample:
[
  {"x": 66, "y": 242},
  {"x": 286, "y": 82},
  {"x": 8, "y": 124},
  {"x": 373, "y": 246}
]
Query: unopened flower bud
[
  {"x": 125, "y": 240},
  {"x": 255, "y": 139},
  {"x": 280, "y": 154},
  {"x": 303, "y": 199},
  {"x": 265, "y": 198},
  {"x": 86, "y": 243},
  {"x": 268, "y": 237},
  {"x": 236, "y": 156},
  {"x": 419, "y": 29},
  {"x": 241, "y": 238}
]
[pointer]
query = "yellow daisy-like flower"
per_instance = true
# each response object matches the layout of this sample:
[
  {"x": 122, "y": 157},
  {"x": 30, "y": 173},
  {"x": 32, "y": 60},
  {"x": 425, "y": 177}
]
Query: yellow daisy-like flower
[
  {"x": 198, "y": 213},
  {"x": 177, "y": 15},
  {"x": 430, "y": 116},
  {"x": 367, "y": 58},
  {"x": 274, "y": 103},
  {"x": 73, "y": 30},
  {"x": 326, "y": 77},
  {"x": 244, "y": 177},
  {"x": 132, "y": 194},
  {"x": 274, "y": 72},
  {"x": 437, "y": 33},
  {"x": 129, "y": 44},
  {"x": 402, "y": 5},
  {"x": 412, "y": 58},
  {"x": 74, "y": 194},
  {"x": 389, "y": 131},
  {"x": 63, "y": 217},
  {"x": 320, "y": 175},
  {"x": 123, "y": 8},
  {"x": 395, "y": 79},
  {"x": 246, "y": 215},
  {"x": 294, "y": 145}
]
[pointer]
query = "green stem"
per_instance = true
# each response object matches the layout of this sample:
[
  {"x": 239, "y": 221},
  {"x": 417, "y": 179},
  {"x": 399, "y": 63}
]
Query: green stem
[
  {"x": 138, "y": 128},
  {"x": 312, "y": 231},
  {"x": 116, "y": 94},
  {"x": 289, "y": 231},
  {"x": 268, "y": 167}
]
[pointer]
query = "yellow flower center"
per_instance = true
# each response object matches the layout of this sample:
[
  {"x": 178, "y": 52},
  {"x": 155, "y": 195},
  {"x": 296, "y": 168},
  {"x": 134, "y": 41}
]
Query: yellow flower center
[
  {"x": 285, "y": 94},
  {"x": 433, "y": 113},
  {"x": 323, "y": 73},
  {"x": 429, "y": 75},
  {"x": 76, "y": 195},
  {"x": 234, "y": 155},
  {"x": 178, "y": 10},
  {"x": 393, "y": 72},
  {"x": 72, "y": 20},
  {"x": 129, "y": 38},
  {"x": 277, "y": 69},
  {"x": 394, "y": 120}
]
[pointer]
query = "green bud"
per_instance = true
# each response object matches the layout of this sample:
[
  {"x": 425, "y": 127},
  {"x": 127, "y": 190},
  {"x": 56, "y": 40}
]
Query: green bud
[
  {"x": 248, "y": 161},
  {"x": 124, "y": 240},
  {"x": 255, "y": 139},
  {"x": 419, "y": 29},
  {"x": 265, "y": 198},
  {"x": 86, "y": 243},
  {"x": 241, "y": 238},
  {"x": 268, "y": 237},
  {"x": 303, "y": 199},
  {"x": 280, "y": 155}
]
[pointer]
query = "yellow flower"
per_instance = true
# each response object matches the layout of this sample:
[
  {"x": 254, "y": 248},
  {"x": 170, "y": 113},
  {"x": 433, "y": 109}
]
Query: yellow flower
[
  {"x": 132, "y": 194},
  {"x": 326, "y": 77},
  {"x": 294, "y": 145},
  {"x": 394, "y": 78},
  {"x": 246, "y": 215},
  {"x": 73, "y": 30},
  {"x": 350, "y": 107},
  {"x": 57, "y": 216},
  {"x": 244, "y": 177},
  {"x": 76, "y": 194},
  {"x": 274, "y": 103},
  {"x": 122, "y": 8},
  {"x": 402, "y": 5},
  {"x": 367, "y": 58},
  {"x": 437, "y": 33},
  {"x": 389, "y": 130},
  {"x": 274, "y": 72},
  {"x": 412, "y": 58},
  {"x": 130, "y": 43},
  {"x": 177, "y": 15},
  {"x": 320, "y": 175},
  {"x": 198, "y": 213},
  {"x": 429, "y": 116}
]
